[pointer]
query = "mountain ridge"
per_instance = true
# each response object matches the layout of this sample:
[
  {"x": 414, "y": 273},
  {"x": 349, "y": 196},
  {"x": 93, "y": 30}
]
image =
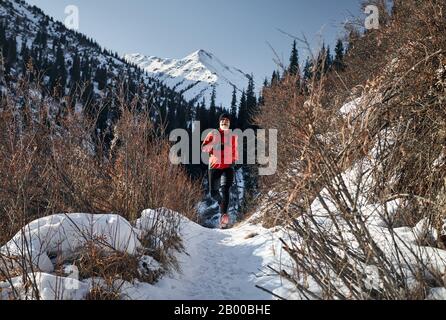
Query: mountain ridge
[
  {"x": 68, "y": 59},
  {"x": 195, "y": 76}
]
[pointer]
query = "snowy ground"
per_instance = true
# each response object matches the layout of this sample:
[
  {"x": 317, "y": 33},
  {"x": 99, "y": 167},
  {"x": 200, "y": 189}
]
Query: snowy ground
[
  {"x": 223, "y": 264},
  {"x": 215, "y": 264}
]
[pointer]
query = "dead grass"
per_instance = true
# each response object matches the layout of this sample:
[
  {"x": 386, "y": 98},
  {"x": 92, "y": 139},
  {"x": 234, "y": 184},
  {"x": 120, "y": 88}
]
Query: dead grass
[
  {"x": 98, "y": 292},
  {"x": 94, "y": 261}
]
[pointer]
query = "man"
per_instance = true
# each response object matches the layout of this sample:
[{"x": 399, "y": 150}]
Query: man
[{"x": 222, "y": 147}]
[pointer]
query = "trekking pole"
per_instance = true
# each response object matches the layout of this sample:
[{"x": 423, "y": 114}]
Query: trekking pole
[{"x": 238, "y": 195}]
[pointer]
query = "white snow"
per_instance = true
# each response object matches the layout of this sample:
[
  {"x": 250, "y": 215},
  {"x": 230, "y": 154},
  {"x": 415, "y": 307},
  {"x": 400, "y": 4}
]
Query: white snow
[
  {"x": 50, "y": 287},
  {"x": 195, "y": 75},
  {"x": 407, "y": 248},
  {"x": 215, "y": 264},
  {"x": 63, "y": 234},
  {"x": 220, "y": 264},
  {"x": 351, "y": 106},
  {"x": 437, "y": 294}
]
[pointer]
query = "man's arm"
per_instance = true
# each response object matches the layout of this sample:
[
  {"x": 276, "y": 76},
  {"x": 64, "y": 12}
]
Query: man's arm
[
  {"x": 207, "y": 144},
  {"x": 235, "y": 155}
]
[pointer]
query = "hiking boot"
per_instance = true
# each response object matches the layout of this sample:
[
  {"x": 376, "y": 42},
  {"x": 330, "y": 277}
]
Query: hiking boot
[{"x": 224, "y": 220}]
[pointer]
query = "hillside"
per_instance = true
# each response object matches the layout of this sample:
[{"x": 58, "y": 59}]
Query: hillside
[
  {"x": 195, "y": 76},
  {"x": 363, "y": 188},
  {"x": 76, "y": 69}
]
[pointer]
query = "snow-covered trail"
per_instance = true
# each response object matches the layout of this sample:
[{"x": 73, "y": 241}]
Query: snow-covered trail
[
  {"x": 221, "y": 265},
  {"x": 214, "y": 264}
]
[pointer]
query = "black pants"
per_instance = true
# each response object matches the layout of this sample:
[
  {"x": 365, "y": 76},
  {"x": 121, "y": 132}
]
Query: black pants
[{"x": 224, "y": 178}]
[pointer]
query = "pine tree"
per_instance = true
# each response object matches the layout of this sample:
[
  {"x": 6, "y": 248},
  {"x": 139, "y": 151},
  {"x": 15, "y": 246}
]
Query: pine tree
[
  {"x": 275, "y": 77},
  {"x": 197, "y": 112},
  {"x": 251, "y": 102},
  {"x": 40, "y": 44},
  {"x": 242, "y": 112},
  {"x": 41, "y": 38},
  {"x": 323, "y": 62},
  {"x": 171, "y": 117},
  {"x": 24, "y": 53},
  {"x": 213, "y": 108},
  {"x": 63, "y": 40},
  {"x": 2, "y": 35},
  {"x": 261, "y": 100},
  {"x": 101, "y": 79},
  {"x": 102, "y": 125},
  {"x": 88, "y": 99},
  {"x": 293, "y": 69},
  {"x": 233, "y": 109},
  {"x": 11, "y": 56},
  {"x": 58, "y": 75},
  {"x": 328, "y": 60},
  {"x": 181, "y": 118},
  {"x": 203, "y": 116},
  {"x": 60, "y": 61},
  {"x": 86, "y": 70},
  {"x": 162, "y": 114},
  {"x": 75, "y": 71},
  {"x": 308, "y": 70},
  {"x": 338, "y": 62}
]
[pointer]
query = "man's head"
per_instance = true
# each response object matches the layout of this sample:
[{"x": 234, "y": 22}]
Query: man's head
[{"x": 225, "y": 121}]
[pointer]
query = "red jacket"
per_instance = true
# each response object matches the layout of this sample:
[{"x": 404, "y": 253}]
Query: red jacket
[{"x": 222, "y": 147}]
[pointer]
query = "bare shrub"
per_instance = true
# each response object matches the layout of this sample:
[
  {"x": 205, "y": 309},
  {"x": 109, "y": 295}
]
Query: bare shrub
[
  {"x": 51, "y": 161},
  {"x": 142, "y": 175},
  {"x": 386, "y": 153}
]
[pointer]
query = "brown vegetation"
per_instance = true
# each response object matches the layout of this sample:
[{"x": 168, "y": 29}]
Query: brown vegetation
[
  {"x": 52, "y": 164},
  {"x": 396, "y": 136}
]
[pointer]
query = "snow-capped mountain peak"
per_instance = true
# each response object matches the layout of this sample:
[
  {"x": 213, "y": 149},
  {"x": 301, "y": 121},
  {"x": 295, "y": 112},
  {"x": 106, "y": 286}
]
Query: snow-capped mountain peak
[
  {"x": 200, "y": 54},
  {"x": 195, "y": 76}
]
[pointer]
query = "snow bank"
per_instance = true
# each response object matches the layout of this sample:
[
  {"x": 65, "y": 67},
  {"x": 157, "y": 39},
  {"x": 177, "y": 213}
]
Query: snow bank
[
  {"x": 161, "y": 218},
  {"x": 158, "y": 225},
  {"x": 437, "y": 294},
  {"x": 410, "y": 250},
  {"x": 45, "y": 286},
  {"x": 63, "y": 234}
]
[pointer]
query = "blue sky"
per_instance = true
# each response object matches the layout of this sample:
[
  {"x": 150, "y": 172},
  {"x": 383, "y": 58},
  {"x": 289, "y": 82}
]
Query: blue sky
[{"x": 239, "y": 32}]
